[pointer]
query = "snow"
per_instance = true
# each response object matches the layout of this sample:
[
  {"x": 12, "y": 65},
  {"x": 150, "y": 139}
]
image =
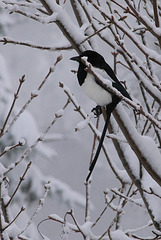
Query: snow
[
  {"x": 52, "y": 18},
  {"x": 147, "y": 149},
  {"x": 64, "y": 19},
  {"x": 154, "y": 202},
  {"x": 153, "y": 55},
  {"x": 86, "y": 229},
  {"x": 47, "y": 185},
  {"x": 118, "y": 234},
  {"x": 83, "y": 124},
  {"x": 56, "y": 217},
  {"x": 151, "y": 26},
  {"x": 59, "y": 113},
  {"x": 22, "y": 142},
  {"x": 26, "y": 119},
  {"x": 7, "y": 148},
  {"x": 35, "y": 93},
  {"x": 13, "y": 231},
  {"x": 2, "y": 171},
  {"x": 27, "y": 126},
  {"x": 66, "y": 231}
]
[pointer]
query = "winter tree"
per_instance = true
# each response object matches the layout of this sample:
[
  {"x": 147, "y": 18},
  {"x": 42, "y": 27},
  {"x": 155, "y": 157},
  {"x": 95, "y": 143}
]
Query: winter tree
[{"x": 128, "y": 35}]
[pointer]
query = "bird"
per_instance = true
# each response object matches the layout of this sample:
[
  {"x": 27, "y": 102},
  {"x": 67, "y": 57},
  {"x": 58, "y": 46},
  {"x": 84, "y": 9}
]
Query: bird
[{"x": 97, "y": 91}]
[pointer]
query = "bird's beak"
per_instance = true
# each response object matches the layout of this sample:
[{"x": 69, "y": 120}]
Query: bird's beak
[{"x": 77, "y": 58}]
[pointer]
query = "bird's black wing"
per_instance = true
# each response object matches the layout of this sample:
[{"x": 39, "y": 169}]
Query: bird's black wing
[
  {"x": 121, "y": 89},
  {"x": 116, "y": 85},
  {"x": 110, "y": 72},
  {"x": 115, "y": 82}
]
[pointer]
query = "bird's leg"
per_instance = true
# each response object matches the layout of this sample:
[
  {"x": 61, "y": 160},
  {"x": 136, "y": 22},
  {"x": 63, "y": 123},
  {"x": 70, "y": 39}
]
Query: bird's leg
[{"x": 97, "y": 110}]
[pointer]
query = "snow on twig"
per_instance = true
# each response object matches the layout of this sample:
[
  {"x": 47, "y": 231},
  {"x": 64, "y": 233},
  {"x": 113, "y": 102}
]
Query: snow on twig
[
  {"x": 58, "y": 114},
  {"x": 33, "y": 95},
  {"x": 21, "y": 81},
  {"x": 9, "y": 148},
  {"x": 135, "y": 201},
  {"x": 41, "y": 203},
  {"x": 155, "y": 57},
  {"x": 20, "y": 182}
]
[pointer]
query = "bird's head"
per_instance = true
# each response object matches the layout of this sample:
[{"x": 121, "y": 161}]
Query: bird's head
[{"x": 93, "y": 57}]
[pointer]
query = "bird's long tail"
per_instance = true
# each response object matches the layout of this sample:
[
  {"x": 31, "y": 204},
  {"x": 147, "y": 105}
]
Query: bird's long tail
[{"x": 109, "y": 110}]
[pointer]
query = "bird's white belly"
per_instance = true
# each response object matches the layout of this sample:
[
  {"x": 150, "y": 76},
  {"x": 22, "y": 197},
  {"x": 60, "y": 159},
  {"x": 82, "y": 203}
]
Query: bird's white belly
[{"x": 95, "y": 92}]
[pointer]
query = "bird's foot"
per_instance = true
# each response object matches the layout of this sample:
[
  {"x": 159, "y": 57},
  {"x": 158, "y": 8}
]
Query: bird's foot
[{"x": 97, "y": 110}]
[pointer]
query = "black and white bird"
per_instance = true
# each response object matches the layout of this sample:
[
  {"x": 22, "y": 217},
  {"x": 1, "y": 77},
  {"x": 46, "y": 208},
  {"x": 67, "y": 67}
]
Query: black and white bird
[{"x": 97, "y": 91}]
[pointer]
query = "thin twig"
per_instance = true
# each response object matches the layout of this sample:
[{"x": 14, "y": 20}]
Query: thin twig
[
  {"x": 39, "y": 139},
  {"x": 34, "y": 94},
  {"x": 9, "y": 148},
  {"x": 21, "y": 210},
  {"x": 87, "y": 208},
  {"x": 18, "y": 185},
  {"x": 152, "y": 192},
  {"x": 103, "y": 211},
  {"x": 126, "y": 197},
  {"x": 6, "y": 40},
  {"x": 41, "y": 203},
  {"x": 75, "y": 222},
  {"x": 129, "y": 34},
  {"x": 21, "y": 81}
]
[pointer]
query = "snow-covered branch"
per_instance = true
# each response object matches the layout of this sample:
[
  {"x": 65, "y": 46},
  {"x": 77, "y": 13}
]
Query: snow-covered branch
[
  {"x": 107, "y": 85},
  {"x": 133, "y": 142}
]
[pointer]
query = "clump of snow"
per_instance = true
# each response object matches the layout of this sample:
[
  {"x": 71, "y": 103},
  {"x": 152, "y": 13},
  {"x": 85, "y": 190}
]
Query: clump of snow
[
  {"x": 48, "y": 185},
  {"x": 83, "y": 124},
  {"x": 86, "y": 229},
  {"x": 35, "y": 93},
  {"x": 56, "y": 217},
  {"x": 7, "y": 148},
  {"x": 13, "y": 231},
  {"x": 118, "y": 234},
  {"x": 59, "y": 113},
  {"x": 22, "y": 142},
  {"x": 145, "y": 147}
]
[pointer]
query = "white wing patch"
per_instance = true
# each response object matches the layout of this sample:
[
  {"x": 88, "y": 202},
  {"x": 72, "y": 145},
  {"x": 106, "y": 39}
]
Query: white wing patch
[{"x": 94, "y": 91}]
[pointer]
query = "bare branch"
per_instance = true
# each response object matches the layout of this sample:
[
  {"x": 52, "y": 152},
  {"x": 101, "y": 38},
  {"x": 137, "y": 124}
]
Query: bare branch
[
  {"x": 18, "y": 185},
  {"x": 21, "y": 80},
  {"x": 32, "y": 45}
]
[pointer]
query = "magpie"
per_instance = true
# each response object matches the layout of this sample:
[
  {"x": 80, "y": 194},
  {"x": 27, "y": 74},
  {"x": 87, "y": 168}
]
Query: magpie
[{"x": 97, "y": 91}]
